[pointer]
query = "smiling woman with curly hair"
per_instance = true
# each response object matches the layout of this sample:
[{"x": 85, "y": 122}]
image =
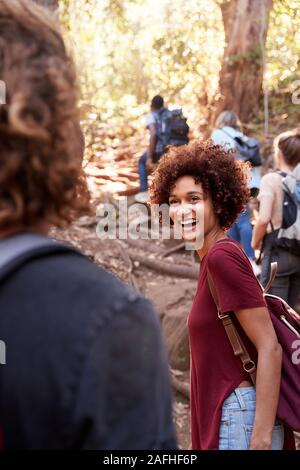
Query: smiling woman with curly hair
[{"x": 206, "y": 189}]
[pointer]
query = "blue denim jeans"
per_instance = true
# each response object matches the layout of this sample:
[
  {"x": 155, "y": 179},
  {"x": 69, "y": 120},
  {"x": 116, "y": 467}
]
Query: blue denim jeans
[
  {"x": 241, "y": 231},
  {"x": 237, "y": 420},
  {"x": 142, "y": 169},
  {"x": 143, "y": 173}
]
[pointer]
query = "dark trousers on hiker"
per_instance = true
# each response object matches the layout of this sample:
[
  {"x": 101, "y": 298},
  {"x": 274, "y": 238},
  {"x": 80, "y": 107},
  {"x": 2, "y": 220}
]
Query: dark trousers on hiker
[
  {"x": 142, "y": 169},
  {"x": 287, "y": 281}
]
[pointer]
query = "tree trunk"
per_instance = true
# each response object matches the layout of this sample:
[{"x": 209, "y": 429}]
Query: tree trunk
[
  {"x": 241, "y": 77},
  {"x": 52, "y": 4}
]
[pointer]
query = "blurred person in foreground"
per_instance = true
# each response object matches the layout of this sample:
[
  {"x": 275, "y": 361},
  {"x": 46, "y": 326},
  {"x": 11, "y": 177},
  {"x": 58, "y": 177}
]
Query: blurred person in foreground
[{"x": 86, "y": 365}]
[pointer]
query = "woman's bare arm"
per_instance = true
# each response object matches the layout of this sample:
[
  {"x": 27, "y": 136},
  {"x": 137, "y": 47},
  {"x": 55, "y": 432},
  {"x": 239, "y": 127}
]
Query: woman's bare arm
[
  {"x": 264, "y": 217},
  {"x": 257, "y": 324}
]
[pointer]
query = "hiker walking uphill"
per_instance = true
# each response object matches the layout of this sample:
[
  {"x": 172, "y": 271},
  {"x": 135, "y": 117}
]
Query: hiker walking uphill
[
  {"x": 277, "y": 230},
  {"x": 227, "y": 133},
  {"x": 166, "y": 128}
]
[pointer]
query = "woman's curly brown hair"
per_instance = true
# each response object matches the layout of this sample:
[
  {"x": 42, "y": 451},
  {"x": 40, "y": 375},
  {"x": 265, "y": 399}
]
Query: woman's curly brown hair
[
  {"x": 219, "y": 172},
  {"x": 41, "y": 144}
]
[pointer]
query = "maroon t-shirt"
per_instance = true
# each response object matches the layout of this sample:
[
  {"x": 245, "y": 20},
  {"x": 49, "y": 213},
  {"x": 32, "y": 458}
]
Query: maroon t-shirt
[{"x": 215, "y": 371}]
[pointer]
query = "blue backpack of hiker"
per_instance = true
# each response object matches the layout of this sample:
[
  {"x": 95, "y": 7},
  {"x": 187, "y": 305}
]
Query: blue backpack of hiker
[{"x": 171, "y": 128}]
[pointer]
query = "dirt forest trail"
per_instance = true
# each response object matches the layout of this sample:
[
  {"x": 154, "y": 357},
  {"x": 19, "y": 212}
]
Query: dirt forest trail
[{"x": 113, "y": 169}]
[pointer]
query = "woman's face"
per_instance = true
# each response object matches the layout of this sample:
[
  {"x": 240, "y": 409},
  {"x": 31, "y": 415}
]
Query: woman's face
[{"x": 191, "y": 210}]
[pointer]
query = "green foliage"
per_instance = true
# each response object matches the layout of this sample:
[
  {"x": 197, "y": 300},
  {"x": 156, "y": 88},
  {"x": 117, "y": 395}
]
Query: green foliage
[
  {"x": 129, "y": 50},
  {"x": 283, "y": 44}
]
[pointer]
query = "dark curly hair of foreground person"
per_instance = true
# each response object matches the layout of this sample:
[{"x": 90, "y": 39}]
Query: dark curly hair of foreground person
[
  {"x": 221, "y": 175},
  {"x": 41, "y": 144}
]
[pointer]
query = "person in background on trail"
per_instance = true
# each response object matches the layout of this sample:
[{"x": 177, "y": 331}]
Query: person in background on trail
[
  {"x": 155, "y": 149},
  {"x": 227, "y": 411},
  {"x": 86, "y": 365},
  {"x": 167, "y": 127},
  {"x": 277, "y": 230},
  {"x": 226, "y": 131}
]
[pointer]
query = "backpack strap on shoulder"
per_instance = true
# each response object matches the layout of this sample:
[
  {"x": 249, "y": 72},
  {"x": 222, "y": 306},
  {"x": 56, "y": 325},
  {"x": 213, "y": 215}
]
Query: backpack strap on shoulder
[
  {"x": 273, "y": 267},
  {"x": 237, "y": 344},
  {"x": 281, "y": 173},
  {"x": 238, "y": 347},
  {"x": 20, "y": 248},
  {"x": 272, "y": 277},
  {"x": 226, "y": 133}
]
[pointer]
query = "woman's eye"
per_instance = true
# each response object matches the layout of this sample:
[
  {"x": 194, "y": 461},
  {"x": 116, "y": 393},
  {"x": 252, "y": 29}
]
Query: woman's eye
[
  {"x": 172, "y": 202},
  {"x": 195, "y": 198}
]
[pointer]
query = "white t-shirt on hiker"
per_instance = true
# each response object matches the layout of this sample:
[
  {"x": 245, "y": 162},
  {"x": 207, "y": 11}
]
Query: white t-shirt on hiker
[
  {"x": 227, "y": 140},
  {"x": 149, "y": 119}
]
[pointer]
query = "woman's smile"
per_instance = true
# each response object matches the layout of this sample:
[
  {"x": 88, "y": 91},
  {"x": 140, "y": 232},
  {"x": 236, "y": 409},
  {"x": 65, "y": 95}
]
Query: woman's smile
[{"x": 188, "y": 226}]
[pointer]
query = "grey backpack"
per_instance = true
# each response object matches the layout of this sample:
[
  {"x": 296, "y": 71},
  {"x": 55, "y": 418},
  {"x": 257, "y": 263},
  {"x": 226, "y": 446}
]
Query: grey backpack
[{"x": 247, "y": 148}]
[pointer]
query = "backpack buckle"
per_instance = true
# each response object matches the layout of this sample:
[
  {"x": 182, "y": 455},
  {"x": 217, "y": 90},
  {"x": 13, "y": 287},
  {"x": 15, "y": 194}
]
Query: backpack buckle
[
  {"x": 222, "y": 316},
  {"x": 249, "y": 366}
]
